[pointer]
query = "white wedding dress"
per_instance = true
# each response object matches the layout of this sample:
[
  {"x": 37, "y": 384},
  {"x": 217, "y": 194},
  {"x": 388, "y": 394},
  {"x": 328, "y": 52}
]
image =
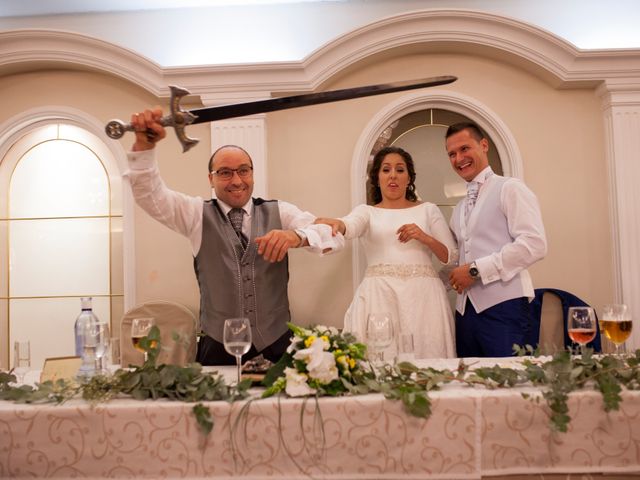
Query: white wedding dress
[{"x": 401, "y": 279}]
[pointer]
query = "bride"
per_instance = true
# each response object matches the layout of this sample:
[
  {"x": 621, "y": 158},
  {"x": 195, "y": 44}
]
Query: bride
[{"x": 400, "y": 236}]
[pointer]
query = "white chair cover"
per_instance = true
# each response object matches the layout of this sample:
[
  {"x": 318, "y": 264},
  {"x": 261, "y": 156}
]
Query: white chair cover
[{"x": 170, "y": 317}]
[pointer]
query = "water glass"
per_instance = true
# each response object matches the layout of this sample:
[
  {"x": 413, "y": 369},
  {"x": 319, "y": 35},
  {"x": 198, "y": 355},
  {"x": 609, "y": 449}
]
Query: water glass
[
  {"x": 21, "y": 358},
  {"x": 379, "y": 334},
  {"x": 114, "y": 351},
  {"x": 237, "y": 339},
  {"x": 101, "y": 333}
]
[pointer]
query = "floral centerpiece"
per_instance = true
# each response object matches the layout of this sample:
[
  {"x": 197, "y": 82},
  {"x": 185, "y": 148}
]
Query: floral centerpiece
[{"x": 319, "y": 361}]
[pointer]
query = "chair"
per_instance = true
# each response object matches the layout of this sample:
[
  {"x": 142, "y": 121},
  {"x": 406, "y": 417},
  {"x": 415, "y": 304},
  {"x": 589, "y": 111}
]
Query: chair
[
  {"x": 550, "y": 309},
  {"x": 169, "y": 317}
]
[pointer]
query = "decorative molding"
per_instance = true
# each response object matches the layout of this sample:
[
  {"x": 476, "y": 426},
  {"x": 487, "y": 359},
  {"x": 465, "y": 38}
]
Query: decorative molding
[{"x": 549, "y": 56}]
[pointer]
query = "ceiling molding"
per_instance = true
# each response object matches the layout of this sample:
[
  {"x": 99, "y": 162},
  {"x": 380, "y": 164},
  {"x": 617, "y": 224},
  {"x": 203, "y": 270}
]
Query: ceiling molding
[{"x": 464, "y": 31}]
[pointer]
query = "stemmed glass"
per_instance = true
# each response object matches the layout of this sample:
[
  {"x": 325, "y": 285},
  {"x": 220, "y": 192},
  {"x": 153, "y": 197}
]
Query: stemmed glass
[
  {"x": 21, "y": 359},
  {"x": 581, "y": 325},
  {"x": 237, "y": 338},
  {"x": 379, "y": 334},
  {"x": 616, "y": 324},
  {"x": 140, "y": 328}
]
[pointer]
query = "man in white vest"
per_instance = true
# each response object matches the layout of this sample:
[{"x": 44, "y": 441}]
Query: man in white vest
[
  {"x": 500, "y": 233},
  {"x": 239, "y": 243}
]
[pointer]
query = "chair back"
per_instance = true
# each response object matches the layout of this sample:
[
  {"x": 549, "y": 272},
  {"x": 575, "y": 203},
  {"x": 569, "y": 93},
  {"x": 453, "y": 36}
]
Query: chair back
[
  {"x": 170, "y": 318},
  {"x": 551, "y": 307},
  {"x": 551, "y": 324}
]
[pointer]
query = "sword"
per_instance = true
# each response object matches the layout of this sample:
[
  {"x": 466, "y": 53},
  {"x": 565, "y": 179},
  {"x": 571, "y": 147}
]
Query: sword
[{"x": 179, "y": 119}]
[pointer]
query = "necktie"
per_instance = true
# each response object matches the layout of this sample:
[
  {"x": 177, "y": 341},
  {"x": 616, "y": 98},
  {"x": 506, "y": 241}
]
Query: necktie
[
  {"x": 235, "y": 217},
  {"x": 472, "y": 196}
]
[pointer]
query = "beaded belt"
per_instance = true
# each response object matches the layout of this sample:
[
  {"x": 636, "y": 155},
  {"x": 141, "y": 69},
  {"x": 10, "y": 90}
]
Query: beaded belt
[{"x": 400, "y": 271}]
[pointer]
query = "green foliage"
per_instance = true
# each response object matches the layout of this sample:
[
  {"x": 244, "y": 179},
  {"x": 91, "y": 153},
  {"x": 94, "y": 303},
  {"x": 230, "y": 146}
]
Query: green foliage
[
  {"x": 149, "y": 381},
  {"x": 556, "y": 378}
]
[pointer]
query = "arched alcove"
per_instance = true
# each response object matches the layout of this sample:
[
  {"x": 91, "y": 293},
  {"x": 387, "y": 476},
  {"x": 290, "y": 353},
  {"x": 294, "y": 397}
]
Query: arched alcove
[
  {"x": 56, "y": 224},
  {"x": 471, "y": 108}
]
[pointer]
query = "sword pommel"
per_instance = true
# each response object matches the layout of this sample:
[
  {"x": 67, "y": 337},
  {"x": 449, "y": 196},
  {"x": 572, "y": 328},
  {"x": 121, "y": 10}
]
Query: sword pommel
[{"x": 178, "y": 119}]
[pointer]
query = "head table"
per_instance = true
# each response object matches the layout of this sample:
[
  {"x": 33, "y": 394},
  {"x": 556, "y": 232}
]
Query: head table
[{"x": 472, "y": 433}]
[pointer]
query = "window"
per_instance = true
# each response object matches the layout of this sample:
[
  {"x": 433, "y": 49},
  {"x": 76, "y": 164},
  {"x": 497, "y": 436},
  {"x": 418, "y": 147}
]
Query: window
[{"x": 61, "y": 227}]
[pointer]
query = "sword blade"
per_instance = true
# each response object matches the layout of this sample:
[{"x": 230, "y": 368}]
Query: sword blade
[{"x": 210, "y": 114}]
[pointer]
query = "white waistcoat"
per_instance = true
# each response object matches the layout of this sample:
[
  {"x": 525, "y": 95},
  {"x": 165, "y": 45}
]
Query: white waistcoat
[{"x": 486, "y": 233}]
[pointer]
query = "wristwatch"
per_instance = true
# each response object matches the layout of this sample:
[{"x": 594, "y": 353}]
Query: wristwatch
[
  {"x": 302, "y": 236},
  {"x": 473, "y": 270}
]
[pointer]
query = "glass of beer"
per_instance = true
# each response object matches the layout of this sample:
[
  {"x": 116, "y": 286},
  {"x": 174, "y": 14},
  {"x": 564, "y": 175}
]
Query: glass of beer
[
  {"x": 140, "y": 328},
  {"x": 581, "y": 325},
  {"x": 616, "y": 324}
]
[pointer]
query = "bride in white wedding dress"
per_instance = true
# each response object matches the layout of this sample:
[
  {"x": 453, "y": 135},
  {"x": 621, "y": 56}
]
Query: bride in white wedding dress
[{"x": 400, "y": 236}]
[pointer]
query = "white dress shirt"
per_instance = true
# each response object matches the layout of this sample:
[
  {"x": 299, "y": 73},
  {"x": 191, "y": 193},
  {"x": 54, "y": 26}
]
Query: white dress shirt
[{"x": 183, "y": 213}]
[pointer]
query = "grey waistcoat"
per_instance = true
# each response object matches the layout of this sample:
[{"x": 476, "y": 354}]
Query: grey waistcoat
[{"x": 236, "y": 285}]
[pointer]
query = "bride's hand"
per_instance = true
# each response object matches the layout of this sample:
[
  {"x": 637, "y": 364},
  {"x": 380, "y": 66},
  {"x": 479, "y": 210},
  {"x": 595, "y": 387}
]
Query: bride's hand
[{"x": 410, "y": 231}]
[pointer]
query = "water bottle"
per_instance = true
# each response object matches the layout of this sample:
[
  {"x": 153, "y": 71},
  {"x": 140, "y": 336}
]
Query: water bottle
[{"x": 91, "y": 335}]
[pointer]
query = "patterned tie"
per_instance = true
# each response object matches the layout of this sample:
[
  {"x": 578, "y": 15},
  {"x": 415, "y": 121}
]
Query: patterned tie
[
  {"x": 235, "y": 217},
  {"x": 472, "y": 196}
]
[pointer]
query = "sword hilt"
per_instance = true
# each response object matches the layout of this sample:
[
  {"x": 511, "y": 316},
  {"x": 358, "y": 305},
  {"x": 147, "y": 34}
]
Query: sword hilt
[{"x": 178, "y": 119}]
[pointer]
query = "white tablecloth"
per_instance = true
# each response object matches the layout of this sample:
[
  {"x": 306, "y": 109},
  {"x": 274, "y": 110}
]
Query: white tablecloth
[{"x": 471, "y": 433}]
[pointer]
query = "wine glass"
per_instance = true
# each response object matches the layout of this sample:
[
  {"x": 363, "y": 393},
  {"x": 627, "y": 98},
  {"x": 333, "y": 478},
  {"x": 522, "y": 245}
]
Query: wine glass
[
  {"x": 140, "y": 328},
  {"x": 237, "y": 338},
  {"x": 379, "y": 334},
  {"x": 616, "y": 323},
  {"x": 581, "y": 325},
  {"x": 21, "y": 359}
]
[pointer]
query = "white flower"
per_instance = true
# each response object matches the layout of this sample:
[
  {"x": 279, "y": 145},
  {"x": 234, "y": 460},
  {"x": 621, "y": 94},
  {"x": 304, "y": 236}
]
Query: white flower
[
  {"x": 297, "y": 383},
  {"x": 294, "y": 342},
  {"x": 321, "y": 365}
]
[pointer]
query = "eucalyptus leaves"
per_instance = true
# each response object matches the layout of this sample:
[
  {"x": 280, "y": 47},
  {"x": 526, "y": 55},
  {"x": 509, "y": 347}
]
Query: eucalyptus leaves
[
  {"x": 149, "y": 381},
  {"x": 323, "y": 361}
]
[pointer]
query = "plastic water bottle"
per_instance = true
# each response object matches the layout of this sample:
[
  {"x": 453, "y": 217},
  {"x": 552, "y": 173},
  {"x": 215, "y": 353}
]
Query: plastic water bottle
[{"x": 87, "y": 338}]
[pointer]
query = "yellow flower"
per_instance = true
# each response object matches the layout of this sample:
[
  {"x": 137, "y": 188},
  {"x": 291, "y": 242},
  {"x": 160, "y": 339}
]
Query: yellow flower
[{"x": 309, "y": 340}]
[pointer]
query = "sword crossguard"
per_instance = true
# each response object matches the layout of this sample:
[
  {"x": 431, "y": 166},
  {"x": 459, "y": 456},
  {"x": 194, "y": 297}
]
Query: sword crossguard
[{"x": 178, "y": 119}]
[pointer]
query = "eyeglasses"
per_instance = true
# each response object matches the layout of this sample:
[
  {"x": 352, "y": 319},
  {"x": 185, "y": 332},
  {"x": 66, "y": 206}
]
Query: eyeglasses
[{"x": 227, "y": 173}]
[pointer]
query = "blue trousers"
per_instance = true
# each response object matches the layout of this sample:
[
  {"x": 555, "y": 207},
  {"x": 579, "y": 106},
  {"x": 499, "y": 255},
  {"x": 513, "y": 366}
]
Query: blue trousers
[{"x": 494, "y": 331}]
